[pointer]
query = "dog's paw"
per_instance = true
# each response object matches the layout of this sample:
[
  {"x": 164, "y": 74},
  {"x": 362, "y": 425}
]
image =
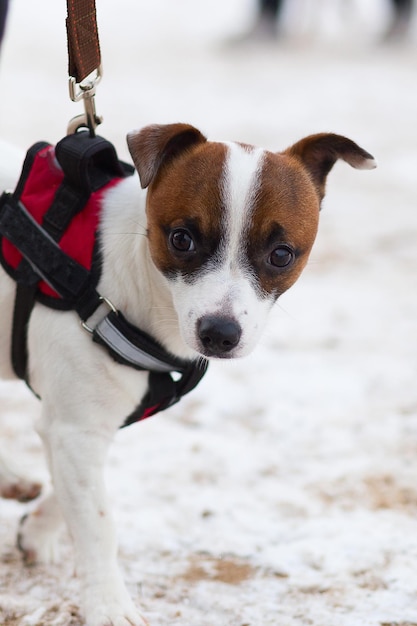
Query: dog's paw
[
  {"x": 115, "y": 616},
  {"x": 13, "y": 485},
  {"x": 20, "y": 489},
  {"x": 111, "y": 608},
  {"x": 36, "y": 542}
]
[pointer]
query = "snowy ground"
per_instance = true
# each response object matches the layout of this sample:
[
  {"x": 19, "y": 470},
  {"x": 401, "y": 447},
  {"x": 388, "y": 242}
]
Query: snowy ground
[{"x": 283, "y": 492}]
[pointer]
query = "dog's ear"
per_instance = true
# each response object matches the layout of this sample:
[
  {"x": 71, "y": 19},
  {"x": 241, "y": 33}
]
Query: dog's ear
[
  {"x": 318, "y": 153},
  {"x": 156, "y": 145}
]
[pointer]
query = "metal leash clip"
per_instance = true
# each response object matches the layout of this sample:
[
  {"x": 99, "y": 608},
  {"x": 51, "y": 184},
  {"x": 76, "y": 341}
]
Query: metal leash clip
[{"x": 86, "y": 90}]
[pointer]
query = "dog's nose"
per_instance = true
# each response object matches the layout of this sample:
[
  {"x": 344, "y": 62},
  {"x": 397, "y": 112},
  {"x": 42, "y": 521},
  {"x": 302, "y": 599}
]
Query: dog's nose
[{"x": 218, "y": 335}]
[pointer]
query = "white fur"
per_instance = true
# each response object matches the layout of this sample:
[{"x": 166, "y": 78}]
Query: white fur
[{"x": 85, "y": 394}]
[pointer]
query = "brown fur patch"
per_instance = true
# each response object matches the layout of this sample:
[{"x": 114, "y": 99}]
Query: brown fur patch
[
  {"x": 188, "y": 192},
  {"x": 320, "y": 152},
  {"x": 286, "y": 212}
]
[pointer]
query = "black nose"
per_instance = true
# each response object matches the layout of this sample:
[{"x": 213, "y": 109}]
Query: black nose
[{"x": 218, "y": 335}]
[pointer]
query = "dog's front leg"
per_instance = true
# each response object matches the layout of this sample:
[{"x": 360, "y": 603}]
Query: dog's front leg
[{"x": 77, "y": 454}]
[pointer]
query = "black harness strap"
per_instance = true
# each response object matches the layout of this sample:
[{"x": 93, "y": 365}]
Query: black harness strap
[
  {"x": 63, "y": 274},
  {"x": 23, "y": 305},
  {"x": 26, "y": 289},
  {"x": 130, "y": 344},
  {"x": 88, "y": 164}
]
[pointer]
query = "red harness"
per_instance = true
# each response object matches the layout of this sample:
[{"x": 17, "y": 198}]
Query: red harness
[
  {"x": 48, "y": 245},
  {"x": 39, "y": 189}
]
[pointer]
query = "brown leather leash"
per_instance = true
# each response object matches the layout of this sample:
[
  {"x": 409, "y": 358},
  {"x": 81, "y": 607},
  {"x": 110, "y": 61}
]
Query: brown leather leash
[{"x": 84, "y": 61}]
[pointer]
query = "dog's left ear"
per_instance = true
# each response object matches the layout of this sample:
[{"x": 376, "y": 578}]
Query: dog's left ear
[
  {"x": 318, "y": 153},
  {"x": 156, "y": 145}
]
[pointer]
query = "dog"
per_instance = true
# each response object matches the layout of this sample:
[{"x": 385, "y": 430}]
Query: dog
[{"x": 195, "y": 253}]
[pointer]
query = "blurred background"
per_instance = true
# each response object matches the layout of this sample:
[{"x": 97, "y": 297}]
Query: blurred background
[
  {"x": 299, "y": 462},
  {"x": 329, "y": 63}
]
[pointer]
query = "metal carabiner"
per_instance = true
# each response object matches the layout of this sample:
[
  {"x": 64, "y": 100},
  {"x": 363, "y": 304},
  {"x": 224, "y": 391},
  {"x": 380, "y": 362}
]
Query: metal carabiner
[{"x": 86, "y": 91}]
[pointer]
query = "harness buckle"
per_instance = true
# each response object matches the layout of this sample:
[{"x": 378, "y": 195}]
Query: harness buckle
[
  {"x": 111, "y": 307},
  {"x": 86, "y": 91}
]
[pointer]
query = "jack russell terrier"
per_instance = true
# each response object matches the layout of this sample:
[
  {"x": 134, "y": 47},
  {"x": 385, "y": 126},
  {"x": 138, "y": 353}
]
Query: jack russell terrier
[{"x": 195, "y": 256}]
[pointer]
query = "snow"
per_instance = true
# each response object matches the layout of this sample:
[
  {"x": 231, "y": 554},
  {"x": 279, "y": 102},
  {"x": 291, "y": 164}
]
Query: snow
[{"x": 282, "y": 491}]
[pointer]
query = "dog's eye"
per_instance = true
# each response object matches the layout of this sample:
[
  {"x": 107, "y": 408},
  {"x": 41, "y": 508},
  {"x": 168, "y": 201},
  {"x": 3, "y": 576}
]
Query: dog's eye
[
  {"x": 181, "y": 240},
  {"x": 282, "y": 256}
]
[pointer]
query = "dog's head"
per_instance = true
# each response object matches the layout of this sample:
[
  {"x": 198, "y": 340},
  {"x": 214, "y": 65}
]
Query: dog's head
[{"x": 231, "y": 226}]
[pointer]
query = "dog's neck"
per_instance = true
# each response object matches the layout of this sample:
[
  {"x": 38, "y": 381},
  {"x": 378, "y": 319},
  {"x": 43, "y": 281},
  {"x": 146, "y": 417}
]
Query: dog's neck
[{"x": 129, "y": 277}]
